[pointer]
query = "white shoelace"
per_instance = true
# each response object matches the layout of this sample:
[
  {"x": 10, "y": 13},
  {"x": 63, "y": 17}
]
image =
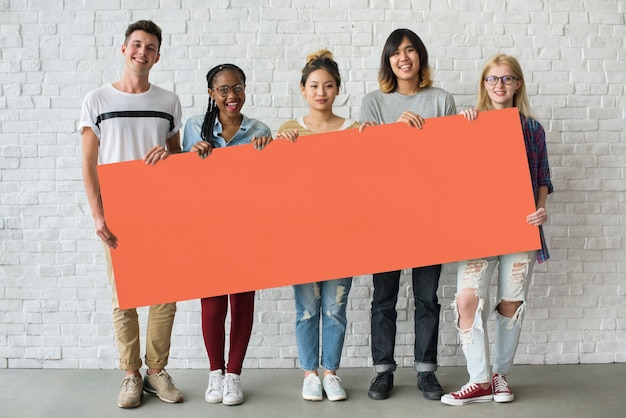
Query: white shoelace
[
  {"x": 215, "y": 382},
  {"x": 500, "y": 384},
  {"x": 312, "y": 383},
  {"x": 230, "y": 384},
  {"x": 333, "y": 382},
  {"x": 468, "y": 388}
]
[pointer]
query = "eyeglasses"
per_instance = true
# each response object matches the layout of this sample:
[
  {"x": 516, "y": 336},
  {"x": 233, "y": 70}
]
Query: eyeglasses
[
  {"x": 225, "y": 90},
  {"x": 492, "y": 80}
]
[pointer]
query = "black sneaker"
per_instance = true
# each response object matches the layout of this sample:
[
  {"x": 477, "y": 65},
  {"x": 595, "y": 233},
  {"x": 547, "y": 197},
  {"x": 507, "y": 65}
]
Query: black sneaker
[
  {"x": 429, "y": 385},
  {"x": 381, "y": 386}
]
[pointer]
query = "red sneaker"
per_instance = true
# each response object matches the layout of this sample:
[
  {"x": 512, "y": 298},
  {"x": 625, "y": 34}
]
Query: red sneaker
[
  {"x": 471, "y": 392},
  {"x": 501, "y": 390}
]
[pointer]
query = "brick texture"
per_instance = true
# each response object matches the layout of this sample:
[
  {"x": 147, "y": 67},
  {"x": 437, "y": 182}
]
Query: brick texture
[{"x": 55, "y": 301}]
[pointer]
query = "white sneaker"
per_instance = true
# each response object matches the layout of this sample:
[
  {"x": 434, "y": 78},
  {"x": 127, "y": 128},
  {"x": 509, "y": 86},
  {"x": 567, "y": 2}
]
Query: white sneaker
[
  {"x": 233, "y": 395},
  {"x": 213, "y": 393},
  {"x": 333, "y": 389},
  {"x": 312, "y": 388}
]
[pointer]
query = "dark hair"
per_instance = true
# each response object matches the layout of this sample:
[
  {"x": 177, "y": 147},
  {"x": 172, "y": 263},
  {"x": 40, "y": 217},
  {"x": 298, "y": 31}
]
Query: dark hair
[
  {"x": 146, "y": 26},
  {"x": 387, "y": 80},
  {"x": 212, "y": 111},
  {"x": 322, "y": 59}
]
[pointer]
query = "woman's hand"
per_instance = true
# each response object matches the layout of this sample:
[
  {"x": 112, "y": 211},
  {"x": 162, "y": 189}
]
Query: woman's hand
[
  {"x": 366, "y": 124},
  {"x": 261, "y": 142},
  {"x": 538, "y": 218},
  {"x": 203, "y": 148},
  {"x": 412, "y": 119},
  {"x": 288, "y": 135},
  {"x": 470, "y": 114}
]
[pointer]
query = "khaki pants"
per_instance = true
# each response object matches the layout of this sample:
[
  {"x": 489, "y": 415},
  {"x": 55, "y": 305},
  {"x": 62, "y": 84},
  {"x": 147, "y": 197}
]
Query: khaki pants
[{"x": 126, "y": 326}]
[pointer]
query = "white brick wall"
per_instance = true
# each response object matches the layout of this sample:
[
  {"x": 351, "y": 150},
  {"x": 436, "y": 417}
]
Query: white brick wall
[{"x": 55, "y": 303}]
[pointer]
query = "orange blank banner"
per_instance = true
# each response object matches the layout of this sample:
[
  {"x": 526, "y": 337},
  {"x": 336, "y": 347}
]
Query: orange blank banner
[{"x": 330, "y": 205}]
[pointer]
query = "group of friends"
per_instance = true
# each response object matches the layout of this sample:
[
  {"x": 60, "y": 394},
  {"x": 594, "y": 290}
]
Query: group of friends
[{"x": 134, "y": 119}]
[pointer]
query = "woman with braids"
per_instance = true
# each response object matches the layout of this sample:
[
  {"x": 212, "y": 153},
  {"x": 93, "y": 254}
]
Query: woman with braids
[
  {"x": 321, "y": 301},
  {"x": 224, "y": 125}
]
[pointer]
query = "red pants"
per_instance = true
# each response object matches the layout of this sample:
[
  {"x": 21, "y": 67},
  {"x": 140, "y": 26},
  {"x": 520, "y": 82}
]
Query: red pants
[{"x": 214, "y": 311}]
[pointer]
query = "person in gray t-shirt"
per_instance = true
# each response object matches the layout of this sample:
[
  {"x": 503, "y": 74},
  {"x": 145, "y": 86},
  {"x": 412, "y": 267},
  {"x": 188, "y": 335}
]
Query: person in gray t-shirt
[{"x": 406, "y": 95}]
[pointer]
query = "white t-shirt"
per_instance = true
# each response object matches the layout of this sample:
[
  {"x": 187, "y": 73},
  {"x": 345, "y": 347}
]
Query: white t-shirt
[{"x": 128, "y": 125}]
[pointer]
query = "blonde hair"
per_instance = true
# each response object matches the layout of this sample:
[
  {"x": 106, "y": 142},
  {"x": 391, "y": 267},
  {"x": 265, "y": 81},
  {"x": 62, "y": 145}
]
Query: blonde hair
[
  {"x": 520, "y": 99},
  {"x": 322, "y": 59}
]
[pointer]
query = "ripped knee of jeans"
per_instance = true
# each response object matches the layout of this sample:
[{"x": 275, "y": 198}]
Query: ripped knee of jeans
[
  {"x": 516, "y": 319},
  {"x": 466, "y": 335},
  {"x": 306, "y": 315}
]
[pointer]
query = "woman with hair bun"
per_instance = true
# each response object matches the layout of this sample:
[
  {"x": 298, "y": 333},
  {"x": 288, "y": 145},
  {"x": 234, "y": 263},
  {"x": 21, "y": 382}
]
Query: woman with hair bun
[{"x": 323, "y": 301}]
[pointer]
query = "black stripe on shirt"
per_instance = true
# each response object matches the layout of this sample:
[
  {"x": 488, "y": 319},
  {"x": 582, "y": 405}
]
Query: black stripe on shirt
[{"x": 136, "y": 114}]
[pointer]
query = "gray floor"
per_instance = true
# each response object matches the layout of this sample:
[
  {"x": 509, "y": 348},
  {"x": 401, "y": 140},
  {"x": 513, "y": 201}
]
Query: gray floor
[{"x": 540, "y": 391}]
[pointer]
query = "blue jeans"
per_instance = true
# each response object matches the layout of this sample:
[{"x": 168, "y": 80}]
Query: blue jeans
[
  {"x": 473, "y": 277},
  {"x": 325, "y": 301},
  {"x": 426, "y": 320}
]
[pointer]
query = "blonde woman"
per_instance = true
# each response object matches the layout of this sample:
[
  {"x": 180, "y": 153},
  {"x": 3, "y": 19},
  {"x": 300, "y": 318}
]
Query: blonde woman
[{"x": 502, "y": 86}]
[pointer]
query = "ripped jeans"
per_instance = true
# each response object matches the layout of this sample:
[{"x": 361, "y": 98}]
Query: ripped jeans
[
  {"x": 473, "y": 277},
  {"x": 326, "y": 302}
]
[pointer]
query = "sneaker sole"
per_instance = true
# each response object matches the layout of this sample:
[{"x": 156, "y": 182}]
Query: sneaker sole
[
  {"x": 155, "y": 393},
  {"x": 449, "y": 400},
  {"x": 212, "y": 400},
  {"x": 132, "y": 405},
  {"x": 378, "y": 396},
  {"x": 503, "y": 398},
  {"x": 312, "y": 398},
  {"x": 232, "y": 403},
  {"x": 433, "y": 396}
]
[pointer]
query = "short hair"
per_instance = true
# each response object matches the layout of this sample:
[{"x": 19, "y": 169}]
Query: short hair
[
  {"x": 387, "y": 80},
  {"x": 321, "y": 60},
  {"x": 520, "y": 99},
  {"x": 146, "y": 26}
]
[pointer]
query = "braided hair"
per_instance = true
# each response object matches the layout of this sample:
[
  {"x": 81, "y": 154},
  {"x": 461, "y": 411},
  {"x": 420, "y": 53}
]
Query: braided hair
[{"x": 209, "y": 118}]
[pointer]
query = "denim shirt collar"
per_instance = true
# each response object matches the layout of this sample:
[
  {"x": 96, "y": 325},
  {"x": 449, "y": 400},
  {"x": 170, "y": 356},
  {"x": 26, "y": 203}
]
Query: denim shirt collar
[{"x": 246, "y": 123}]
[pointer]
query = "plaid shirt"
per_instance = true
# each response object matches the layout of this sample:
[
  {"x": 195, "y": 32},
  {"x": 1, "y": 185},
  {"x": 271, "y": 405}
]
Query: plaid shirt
[{"x": 535, "y": 140}]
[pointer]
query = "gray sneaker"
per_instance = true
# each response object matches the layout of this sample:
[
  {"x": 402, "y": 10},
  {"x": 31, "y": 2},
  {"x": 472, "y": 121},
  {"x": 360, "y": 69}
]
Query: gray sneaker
[
  {"x": 162, "y": 385},
  {"x": 312, "y": 388},
  {"x": 333, "y": 389},
  {"x": 130, "y": 392}
]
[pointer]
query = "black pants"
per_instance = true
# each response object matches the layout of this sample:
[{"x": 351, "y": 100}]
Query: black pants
[{"x": 383, "y": 323}]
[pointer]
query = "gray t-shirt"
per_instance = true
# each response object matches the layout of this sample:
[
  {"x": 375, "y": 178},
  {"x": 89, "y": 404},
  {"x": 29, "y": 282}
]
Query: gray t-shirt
[{"x": 430, "y": 102}]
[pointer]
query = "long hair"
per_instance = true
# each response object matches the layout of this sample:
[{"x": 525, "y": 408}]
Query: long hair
[
  {"x": 520, "y": 99},
  {"x": 209, "y": 117},
  {"x": 322, "y": 59},
  {"x": 387, "y": 80},
  {"x": 146, "y": 26}
]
